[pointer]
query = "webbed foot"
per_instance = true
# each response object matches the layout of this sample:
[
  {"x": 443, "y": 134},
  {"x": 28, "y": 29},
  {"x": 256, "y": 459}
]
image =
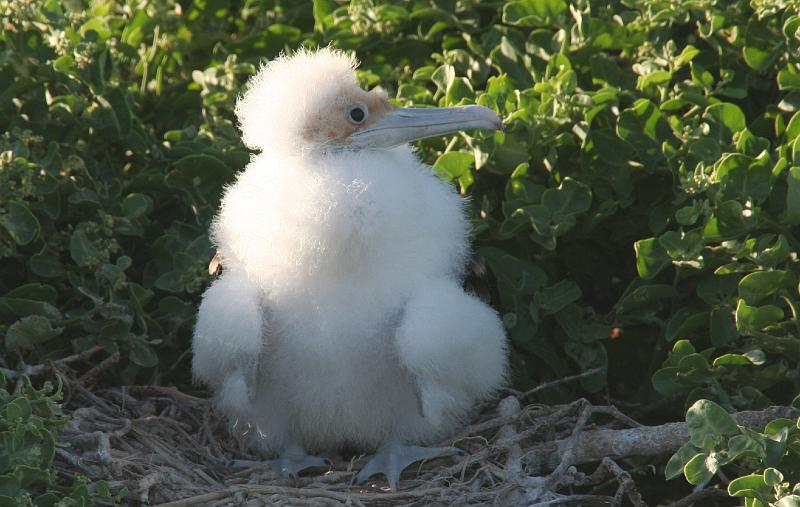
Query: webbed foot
[
  {"x": 392, "y": 459},
  {"x": 289, "y": 464}
]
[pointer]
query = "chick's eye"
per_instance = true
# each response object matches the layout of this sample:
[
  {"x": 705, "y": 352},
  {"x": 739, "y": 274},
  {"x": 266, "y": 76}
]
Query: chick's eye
[{"x": 357, "y": 113}]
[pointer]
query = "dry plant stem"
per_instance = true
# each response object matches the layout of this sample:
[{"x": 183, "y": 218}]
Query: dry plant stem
[
  {"x": 168, "y": 391},
  {"x": 626, "y": 484},
  {"x": 42, "y": 368},
  {"x": 595, "y": 445},
  {"x": 547, "y": 385},
  {"x": 614, "y": 412},
  {"x": 105, "y": 364},
  {"x": 700, "y": 496},
  {"x": 554, "y": 480},
  {"x": 579, "y": 500},
  {"x": 306, "y": 492}
]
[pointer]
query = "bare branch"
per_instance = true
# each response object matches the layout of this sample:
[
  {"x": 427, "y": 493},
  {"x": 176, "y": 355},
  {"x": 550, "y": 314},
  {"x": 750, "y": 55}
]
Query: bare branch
[
  {"x": 547, "y": 385},
  {"x": 641, "y": 441},
  {"x": 38, "y": 369}
]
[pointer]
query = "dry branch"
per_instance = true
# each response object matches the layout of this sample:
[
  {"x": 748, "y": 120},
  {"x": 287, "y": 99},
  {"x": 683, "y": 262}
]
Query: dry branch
[
  {"x": 38, "y": 369},
  {"x": 595, "y": 445}
]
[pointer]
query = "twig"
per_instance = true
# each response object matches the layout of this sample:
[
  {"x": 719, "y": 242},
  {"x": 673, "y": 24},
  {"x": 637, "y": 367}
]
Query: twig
[
  {"x": 197, "y": 500},
  {"x": 580, "y": 500},
  {"x": 148, "y": 481},
  {"x": 568, "y": 453},
  {"x": 344, "y": 497},
  {"x": 168, "y": 391},
  {"x": 594, "y": 445},
  {"x": 553, "y": 383},
  {"x": 41, "y": 368},
  {"x": 98, "y": 369},
  {"x": 699, "y": 496},
  {"x": 614, "y": 412},
  {"x": 626, "y": 484}
]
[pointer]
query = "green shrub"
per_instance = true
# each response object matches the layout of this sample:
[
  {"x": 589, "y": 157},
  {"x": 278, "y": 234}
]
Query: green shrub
[
  {"x": 644, "y": 197},
  {"x": 30, "y": 419}
]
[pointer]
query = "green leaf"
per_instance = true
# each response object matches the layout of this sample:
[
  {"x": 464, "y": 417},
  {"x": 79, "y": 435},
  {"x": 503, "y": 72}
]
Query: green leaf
[
  {"x": 746, "y": 445},
  {"x": 143, "y": 355},
  {"x": 678, "y": 460},
  {"x": 760, "y": 44},
  {"x": 533, "y": 12},
  {"x": 459, "y": 90},
  {"x": 744, "y": 178},
  {"x": 123, "y": 117},
  {"x": 752, "y": 319},
  {"x": 20, "y": 223},
  {"x": 83, "y": 252},
  {"x": 30, "y": 331},
  {"x": 322, "y": 14},
  {"x": 757, "y": 286},
  {"x": 665, "y": 381},
  {"x": 136, "y": 205},
  {"x": 727, "y": 114},
  {"x": 568, "y": 199},
  {"x": 723, "y": 326},
  {"x": 18, "y": 409},
  {"x": 645, "y": 128},
  {"x": 654, "y": 78},
  {"x": 554, "y": 298},
  {"x": 788, "y": 501},
  {"x": 643, "y": 296},
  {"x": 684, "y": 321},
  {"x": 651, "y": 258},
  {"x": 97, "y": 25},
  {"x": 752, "y": 485},
  {"x": 46, "y": 265},
  {"x": 454, "y": 164},
  {"x": 708, "y": 423},
  {"x": 701, "y": 468},
  {"x": 11, "y": 308},
  {"x": 705, "y": 149},
  {"x": 688, "y": 54},
  {"x": 201, "y": 176},
  {"x": 34, "y": 291},
  {"x": 792, "y": 215},
  {"x": 772, "y": 477},
  {"x": 754, "y": 356},
  {"x": 443, "y": 77}
]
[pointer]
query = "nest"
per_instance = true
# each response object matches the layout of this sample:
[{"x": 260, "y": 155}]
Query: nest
[{"x": 169, "y": 448}]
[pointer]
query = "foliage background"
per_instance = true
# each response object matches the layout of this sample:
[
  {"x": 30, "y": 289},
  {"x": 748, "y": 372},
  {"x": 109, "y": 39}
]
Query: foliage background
[{"x": 639, "y": 214}]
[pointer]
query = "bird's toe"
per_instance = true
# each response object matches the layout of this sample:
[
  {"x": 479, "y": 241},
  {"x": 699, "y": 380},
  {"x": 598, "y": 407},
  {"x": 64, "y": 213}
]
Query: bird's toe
[
  {"x": 289, "y": 467},
  {"x": 392, "y": 460}
]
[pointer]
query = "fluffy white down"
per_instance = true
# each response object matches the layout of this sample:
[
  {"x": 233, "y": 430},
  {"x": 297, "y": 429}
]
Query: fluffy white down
[
  {"x": 278, "y": 99},
  {"x": 354, "y": 261},
  {"x": 339, "y": 319}
]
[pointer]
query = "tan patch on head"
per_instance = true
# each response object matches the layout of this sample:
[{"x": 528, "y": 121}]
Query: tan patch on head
[{"x": 331, "y": 124}]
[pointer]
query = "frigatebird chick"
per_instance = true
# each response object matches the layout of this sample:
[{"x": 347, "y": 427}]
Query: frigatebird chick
[{"x": 339, "y": 320}]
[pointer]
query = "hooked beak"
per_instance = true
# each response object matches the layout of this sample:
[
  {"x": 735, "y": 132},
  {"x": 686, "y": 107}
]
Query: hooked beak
[{"x": 403, "y": 125}]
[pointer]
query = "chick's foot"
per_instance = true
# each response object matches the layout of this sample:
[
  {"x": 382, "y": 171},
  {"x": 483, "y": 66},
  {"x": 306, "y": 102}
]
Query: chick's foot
[
  {"x": 392, "y": 459},
  {"x": 289, "y": 464}
]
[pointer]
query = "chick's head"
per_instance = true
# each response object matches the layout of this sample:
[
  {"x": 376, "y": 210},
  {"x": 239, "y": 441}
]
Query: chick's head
[{"x": 310, "y": 101}]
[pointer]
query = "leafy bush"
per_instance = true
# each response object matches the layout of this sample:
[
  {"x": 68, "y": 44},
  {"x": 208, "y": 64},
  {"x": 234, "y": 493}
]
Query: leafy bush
[
  {"x": 30, "y": 419},
  {"x": 645, "y": 195}
]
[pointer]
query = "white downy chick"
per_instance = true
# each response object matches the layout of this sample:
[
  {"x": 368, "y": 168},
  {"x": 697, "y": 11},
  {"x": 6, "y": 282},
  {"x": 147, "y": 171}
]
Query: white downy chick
[{"x": 339, "y": 320}]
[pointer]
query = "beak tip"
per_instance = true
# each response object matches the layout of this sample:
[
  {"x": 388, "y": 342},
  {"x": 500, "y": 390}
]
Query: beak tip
[{"x": 497, "y": 122}]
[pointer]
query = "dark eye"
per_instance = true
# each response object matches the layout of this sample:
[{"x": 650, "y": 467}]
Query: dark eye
[{"x": 357, "y": 113}]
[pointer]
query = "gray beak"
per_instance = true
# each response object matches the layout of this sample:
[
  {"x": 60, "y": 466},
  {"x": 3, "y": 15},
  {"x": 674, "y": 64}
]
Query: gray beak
[{"x": 403, "y": 125}]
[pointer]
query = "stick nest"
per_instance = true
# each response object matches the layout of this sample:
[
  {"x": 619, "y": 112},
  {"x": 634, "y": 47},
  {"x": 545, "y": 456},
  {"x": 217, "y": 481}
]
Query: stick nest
[{"x": 168, "y": 447}]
